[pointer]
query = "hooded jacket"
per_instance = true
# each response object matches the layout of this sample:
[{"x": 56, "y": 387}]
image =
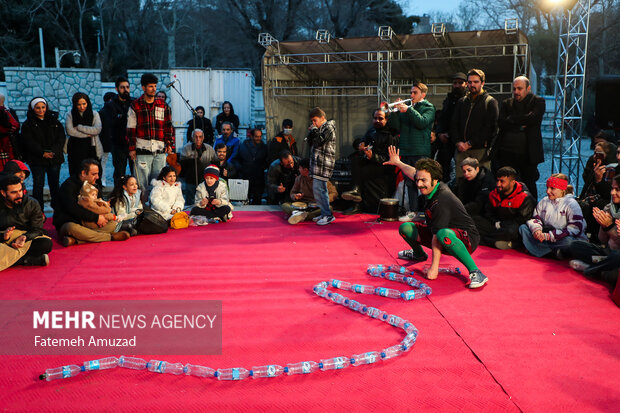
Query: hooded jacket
[
  {"x": 164, "y": 197},
  {"x": 43, "y": 135},
  {"x": 515, "y": 208}
]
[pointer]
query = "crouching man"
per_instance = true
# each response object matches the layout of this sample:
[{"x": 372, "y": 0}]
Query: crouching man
[{"x": 448, "y": 228}]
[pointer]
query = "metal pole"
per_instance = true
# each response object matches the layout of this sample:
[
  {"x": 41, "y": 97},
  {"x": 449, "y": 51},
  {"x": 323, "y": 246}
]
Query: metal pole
[
  {"x": 41, "y": 47},
  {"x": 57, "y": 58}
]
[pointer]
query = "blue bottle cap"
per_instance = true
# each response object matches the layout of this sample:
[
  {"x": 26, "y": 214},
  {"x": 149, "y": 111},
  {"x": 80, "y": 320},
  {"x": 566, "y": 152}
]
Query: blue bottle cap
[
  {"x": 216, "y": 374},
  {"x": 320, "y": 365},
  {"x": 346, "y": 301},
  {"x": 382, "y": 355},
  {"x": 286, "y": 369},
  {"x": 251, "y": 372},
  {"x": 148, "y": 364},
  {"x": 184, "y": 369},
  {"x": 352, "y": 361},
  {"x": 385, "y": 316},
  {"x": 82, "y": 368},
  {"x": 364, "y": 309},
  {"x": 330, "y": 294}
]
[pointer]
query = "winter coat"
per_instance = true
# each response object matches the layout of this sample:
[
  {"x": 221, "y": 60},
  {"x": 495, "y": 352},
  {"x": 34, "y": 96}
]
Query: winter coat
[
  {"x": 303, "y": 185},
  {"x": 25, "y": 217},
  {"x": 279, "y": 143},
  {"x": 232, "y": 147},
  {"x": 415, "y": 127},
  {"x": 165, "y": 198},
  {"x": 86, "y": 132},
  {"x": 322, "y": 150},
  {"x": 67, "y": 208},
  {"x": 43, "y": 135},
  {"x": 514, "y": 209},
  {"x": 611, "y": 237},
  {"x": 221, "y": 193},
  {"x": 474, "y": 194},
  {"x": 190, "y": 164},
  {"x": 276, "y": 175},
  {"x": 447, "y": 111},
  {"x": 114, "y": 121},
  {"x": 475, "y": 121},
  {"x": 203, "y": 124},
  {"x": 125, "y": 207},
  {"x": 252, "y": 159},
  {"x": 232, "y": 118},
  {"x": 563, "y": 214}
]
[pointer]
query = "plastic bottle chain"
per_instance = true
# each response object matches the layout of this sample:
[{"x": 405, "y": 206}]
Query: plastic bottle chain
[{"x": 304, "y": 367}]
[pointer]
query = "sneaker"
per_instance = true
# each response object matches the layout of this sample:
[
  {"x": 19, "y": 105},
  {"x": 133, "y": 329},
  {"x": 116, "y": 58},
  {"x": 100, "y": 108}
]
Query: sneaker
[
  {"x": 297, "y": 218},
  {"x": 410, "y": 216},
  {"x": 503, "y": 245},
  {"x": 316, "y": 219},
  {"x": 353, "y": 195},
  {"x": 409, "y": 255},
  {"x": 477, "y": 279},
  {"x": 326, "y": 220},
  {"x": 578, "y": 265}
]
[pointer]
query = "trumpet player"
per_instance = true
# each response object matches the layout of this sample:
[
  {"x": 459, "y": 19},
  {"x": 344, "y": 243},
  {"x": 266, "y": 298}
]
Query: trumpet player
[{"x": 415, "y": 123}]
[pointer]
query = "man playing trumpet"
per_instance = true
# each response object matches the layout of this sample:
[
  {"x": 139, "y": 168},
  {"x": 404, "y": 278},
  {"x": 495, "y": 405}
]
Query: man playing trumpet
[{"x": 415, "y": 123}]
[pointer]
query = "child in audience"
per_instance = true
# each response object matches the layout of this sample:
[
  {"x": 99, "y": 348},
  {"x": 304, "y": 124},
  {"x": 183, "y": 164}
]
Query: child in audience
[
  {"x": 89, "y": 200},
  {"x": 166, "y": 196},
  {"x": 557, "y": 220},
  {"x": 212, "y": 196},
  {"x": 126, "y": 202}
]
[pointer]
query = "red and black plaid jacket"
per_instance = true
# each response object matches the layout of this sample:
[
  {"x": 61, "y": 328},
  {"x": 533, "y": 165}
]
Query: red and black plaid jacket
[{"x": 152, "y": 122}]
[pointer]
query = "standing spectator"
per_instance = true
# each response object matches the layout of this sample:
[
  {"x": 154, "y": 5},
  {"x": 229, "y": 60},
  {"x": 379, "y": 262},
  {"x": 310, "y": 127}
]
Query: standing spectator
[
  {"x": 162, "y": 95},
  {"x": 322, "y": 141},
  {"x": 415, "y": 123},
  {"x": 83, "y": 126},
  {"x": 227, "y": 115},
  {"x": 519, "y": 142},
  {"x": 474, "y": 124},
  {"x": 195, "y": 157},
  {"x": 104, "y": 137},
  {"x": 283, "y": 141},
  {"x": 252, "y": 161},
  {"x": 281, "y": 177},
  {"x": 444, "y": 145},
  {"x": 150, "y": 132},
  {"x": 200, "y": 121},
  {"x": 114, "y": 120},
  {"x": 227, "y": 170},
  {"x": 9, "y": 127},
  {"x": 44, "y": 139},
  {"x": 229, "y": 138}
]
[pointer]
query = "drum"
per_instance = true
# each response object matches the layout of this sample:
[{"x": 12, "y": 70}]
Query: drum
[
  {"x": 299, "y": 205},
  {"x": 388, "y": 209}
]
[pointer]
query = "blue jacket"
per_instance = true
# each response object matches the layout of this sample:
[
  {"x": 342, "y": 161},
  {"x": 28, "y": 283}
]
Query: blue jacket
[{"x": 232, "y": 147}]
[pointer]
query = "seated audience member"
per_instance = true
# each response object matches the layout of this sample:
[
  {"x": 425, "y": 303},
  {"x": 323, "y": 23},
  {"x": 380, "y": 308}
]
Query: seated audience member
[
  {"x": 474, "y": 187},
  {"x": 371, "y": 179},
  {"x": 281, "y": 177},
  {"x": 227, "y": 115},
  {"x": 557, "y": 221},
  {"x": 166, "y": 196},
  {"x": 126, "y": 202},
  {"x": 448, "y": 228},
  {"x": 597, "y": 175},
  {"x": 227, "y": 170},
  {"x": 212, "y": 197},
  {"x": 23, "y": 240},
  {"x": 200, "y": 121},
  {"x": 68, "y": 215},
  {"x": 90, "y": 201},
  {"x": 231, "y": 141},
  {"x": 252, "y": 162},
  {"x": 17, "y": 168},
  {"x": 283, "y": 141},
  {"x": 592, "y": 259},
  {"x": 195, "y": 157},
  {"x": 508, "y": 207},
  {"x": 302, "y": 192}
]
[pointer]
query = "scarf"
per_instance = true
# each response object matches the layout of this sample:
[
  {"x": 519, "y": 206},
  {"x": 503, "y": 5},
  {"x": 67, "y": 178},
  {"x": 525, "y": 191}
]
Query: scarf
[{"x": 85, "y": 118}]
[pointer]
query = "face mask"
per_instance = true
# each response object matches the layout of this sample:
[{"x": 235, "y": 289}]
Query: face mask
[{"x": 288, "y": 131}]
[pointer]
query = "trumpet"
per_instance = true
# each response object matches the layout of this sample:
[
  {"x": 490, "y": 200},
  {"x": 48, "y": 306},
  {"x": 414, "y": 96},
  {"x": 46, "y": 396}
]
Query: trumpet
[{"x": 392, "y": 107}]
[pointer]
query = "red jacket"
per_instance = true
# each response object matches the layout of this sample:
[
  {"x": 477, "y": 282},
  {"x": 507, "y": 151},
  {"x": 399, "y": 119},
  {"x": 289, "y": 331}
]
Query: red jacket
[{"x": 518, "y": 206}]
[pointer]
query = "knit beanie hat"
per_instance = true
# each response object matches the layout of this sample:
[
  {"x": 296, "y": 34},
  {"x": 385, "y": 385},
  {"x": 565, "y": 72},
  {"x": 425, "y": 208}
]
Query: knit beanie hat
[
  {"x": 87, "y": 189},
  {"x": 212, "y": 170}
]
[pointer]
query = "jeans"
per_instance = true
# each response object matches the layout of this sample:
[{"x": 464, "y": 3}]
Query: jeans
[
  {"x": 147, "y": 168},
  {"x": 38, "y": 181},
  {"x": 540, "y": 249},
  {"x": 412, "y": 188},
  {"x": 321, "y": 196}
]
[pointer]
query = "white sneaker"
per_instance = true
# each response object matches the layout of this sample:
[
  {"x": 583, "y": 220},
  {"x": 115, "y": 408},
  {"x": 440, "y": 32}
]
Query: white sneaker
[
  {"x": 410, "y": 216},
  {"x": 297, "y": 218},
  {"x": 578, "y": 265},
  {"x": 316, "y": 219},
  {"x": 326, "y": 220}
]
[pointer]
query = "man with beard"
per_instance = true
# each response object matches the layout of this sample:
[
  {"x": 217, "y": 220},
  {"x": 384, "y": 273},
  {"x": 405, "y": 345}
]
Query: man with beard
[
  {"x": 474, "y": 123},
  {"x": 443, "y": 146},
  {"x": 519, "y": 142},
  {"x": 371, "y": 179},
  {"x": 281, "y": 177},
  {"x": 509, "y": 205},
  {"x": 448, "y": 228},
  {"x": 22, "y": 238},
  {"x": 114, "y": 122},
  {"x": 227, "y": 170}
]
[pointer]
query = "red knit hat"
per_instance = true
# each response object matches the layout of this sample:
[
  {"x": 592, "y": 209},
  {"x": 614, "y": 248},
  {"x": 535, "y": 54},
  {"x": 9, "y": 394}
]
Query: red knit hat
[{"x": 213, "y": 171}]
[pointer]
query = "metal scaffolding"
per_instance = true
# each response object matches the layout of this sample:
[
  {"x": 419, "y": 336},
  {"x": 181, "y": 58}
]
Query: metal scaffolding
[{"x": 569, "y": 92}]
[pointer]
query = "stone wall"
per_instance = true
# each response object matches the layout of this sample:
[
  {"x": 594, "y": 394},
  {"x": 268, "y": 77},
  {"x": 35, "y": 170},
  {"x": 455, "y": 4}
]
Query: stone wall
[
  {"x": 134, "y": 81},
  {"x": 55, "y": 85}
]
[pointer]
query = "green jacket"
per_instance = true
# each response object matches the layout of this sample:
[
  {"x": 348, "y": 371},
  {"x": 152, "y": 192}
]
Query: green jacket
[{"x": 415, "y": 127}]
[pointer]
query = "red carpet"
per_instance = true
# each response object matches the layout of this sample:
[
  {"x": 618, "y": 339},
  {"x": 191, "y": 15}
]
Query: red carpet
[{"x": 538, "y": 337}]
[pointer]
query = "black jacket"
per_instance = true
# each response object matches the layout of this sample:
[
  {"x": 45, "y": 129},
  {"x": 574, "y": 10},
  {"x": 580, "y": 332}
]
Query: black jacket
[
  {"x": 474, "y": 194},
  {"x": 43, "y": 135},
  {"x": 221, "y": 118},
  {"x": 114, "y": 121},
  {"x": 67, "y": 208},
  {"x": 447, "y": 111},
  {"x": 203, "y": 124},
  {"x": 26, "y": 217},
  {"x": 252, "y": 159},
  {"x": 277, "y": 175},
  {"x": 381, "y": 139},
  {"x": 475, "y": 121},
  {"x": 526, "y": 117},
  {"x": 277, "y": 144}
]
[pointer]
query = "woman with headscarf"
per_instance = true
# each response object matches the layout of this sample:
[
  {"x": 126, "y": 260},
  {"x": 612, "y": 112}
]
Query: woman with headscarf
[
  {"x": 44, "y": 139},
  {"x": 227, "y": 115},
  {"x": 202, "y": 122},
  {"x": 83, "y": 127}
]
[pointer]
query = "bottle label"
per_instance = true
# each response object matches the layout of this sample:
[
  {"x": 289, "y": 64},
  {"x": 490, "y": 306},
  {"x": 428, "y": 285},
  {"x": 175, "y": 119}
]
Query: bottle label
[
  {"x": 271, "y": 371},
  {"x": 357, "y": 288},
  {"x": 66, "y": 372},
  {"x": 305, "y": 367},
  {"x": 161, "y": 367},
  {"x": 393, "y": 320},
  {"x": 371, "y": 357},
  {"x": 235, "y": 374},
  {"x": 93, "y": 365},
  {"x": 336, "y": 283},
  {"x": 339, "y": 362},
  {"x": 391, "y": 276},
  {"x": 383, "y": 292}
]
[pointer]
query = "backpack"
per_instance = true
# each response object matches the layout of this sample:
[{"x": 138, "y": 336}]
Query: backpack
[{"x": 150, "y": 222}]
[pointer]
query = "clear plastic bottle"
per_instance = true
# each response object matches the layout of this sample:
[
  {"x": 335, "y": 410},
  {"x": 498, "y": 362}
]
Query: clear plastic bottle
[
  {"x": 271, "y": 370},
  {"x": 412, "y": 281},
  {"x": 375, "y": 313},
  {"x": 199, "y": 371},
  {"x": 354, "y": 305},
  {"x": 335, "y": 363},
  {"x": 413, "y": 294},
  {"x": 375, "y": 268},
  {"x": 398, "y": 268},
  {"x": 63, "y": 372},
  {"x": 157, "y": 366},
  {"x": 365, "y": 358},
  {"x": 410, "y": 328},
  {"x": 395, "y": 320},
  {"x": 236, "y": 373},
  {"x": 101, "y": 364},
  {"x": 337, "y": 298},
  {"x": 394, "y": 276},
  {"x": 387, "y": 292},
  {"x": 321, "y": 292},
  {"x": 134, "y": 363},
  {"x": 343, "y": 285},
  {"x": 303, "y": 367},
  {"x": 391, "y": 352},
  {"x": 363, "y": 289},
  {"x": 408, "y": 341},
  {"x": 447, "y": 269}
]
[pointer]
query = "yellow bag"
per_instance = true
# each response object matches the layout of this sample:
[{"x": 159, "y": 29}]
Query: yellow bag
[{"x": 179, "y": 220}]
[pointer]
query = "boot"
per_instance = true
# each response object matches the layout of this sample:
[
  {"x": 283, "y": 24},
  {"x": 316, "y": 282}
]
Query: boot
[
  {"x": 68, "y": 241},
  {"x": 354, "y": 195},
  {"x": 355, "y": 209},
  {"x": 120, "y": 236}
]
